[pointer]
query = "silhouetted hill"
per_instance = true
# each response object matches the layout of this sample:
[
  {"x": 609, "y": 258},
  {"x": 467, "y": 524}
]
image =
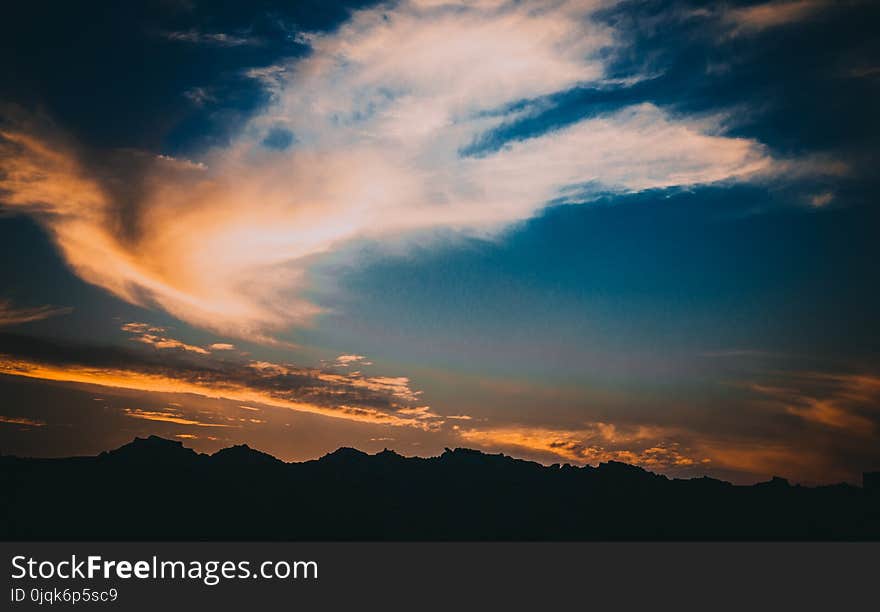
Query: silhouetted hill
[
  {"x": 243, "y": 455},
  {"x": 157, "y": 489},
  {"x": 151, "y": 451}
]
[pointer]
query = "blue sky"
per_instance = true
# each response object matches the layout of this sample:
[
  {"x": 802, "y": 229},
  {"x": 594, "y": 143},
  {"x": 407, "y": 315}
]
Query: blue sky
[{"x": 568, "y": 231}]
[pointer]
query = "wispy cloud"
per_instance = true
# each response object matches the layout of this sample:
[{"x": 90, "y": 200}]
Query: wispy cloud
[
  {"x": 849, "y": 402},
  {"x": 864, "y": 72},
  {"x": 155, "y": 337},
  {"x": 15, "y": 420},
  {"x": 219, "y": 39},
  {"x": 381, "y": 113},
  {"x": 14, "y": 315},
  {"x": 199, "y": 96},
  {"x": 169, "y": 417},
  {"x": 758, "y": 17},
  {"x": 820, "y": 200}
]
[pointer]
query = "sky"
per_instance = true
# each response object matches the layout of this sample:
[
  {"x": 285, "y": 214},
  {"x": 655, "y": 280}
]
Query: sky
[{"x": 570, "y": 231}]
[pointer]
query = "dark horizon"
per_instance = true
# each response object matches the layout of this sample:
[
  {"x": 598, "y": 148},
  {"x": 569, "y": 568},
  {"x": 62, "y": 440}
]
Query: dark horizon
[{"x": 156, "y": 489}]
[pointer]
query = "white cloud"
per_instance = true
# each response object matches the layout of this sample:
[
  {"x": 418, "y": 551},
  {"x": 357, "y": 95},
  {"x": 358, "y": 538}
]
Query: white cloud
[
  {"x": 344, "y": 361},
  {"x": 381, "y": 110}
]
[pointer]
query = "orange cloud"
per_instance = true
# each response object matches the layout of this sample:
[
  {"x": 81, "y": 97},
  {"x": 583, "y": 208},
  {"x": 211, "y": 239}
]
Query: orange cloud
[
  {"x": 168, "y": 417},
  {"x": 218, "y": 386},
  {"x": 154, "y": 336},
  {"x": 598, "y": 442},
  {"x": 764, "y": 458},
  {"x": 759, "y": 17},
  {"x": 839, "y": 401},
  {"x": 11, "y": 420}
]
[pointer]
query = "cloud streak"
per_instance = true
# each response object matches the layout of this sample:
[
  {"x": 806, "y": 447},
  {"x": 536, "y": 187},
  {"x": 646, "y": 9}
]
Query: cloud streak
[
  {"x": 154, "y": 336},
  {"x": 24, "y": 421},
  {"x": 845, "y": 402},
  {"x": 220, "y": 39},
  {"x": 168, "y": 417},
  {"x": 759, "y": 17},
  {"x": 13, "y": 315}
]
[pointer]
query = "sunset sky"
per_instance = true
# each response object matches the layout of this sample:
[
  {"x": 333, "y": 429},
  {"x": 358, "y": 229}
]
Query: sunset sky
[{"x": 569, "y": 231}]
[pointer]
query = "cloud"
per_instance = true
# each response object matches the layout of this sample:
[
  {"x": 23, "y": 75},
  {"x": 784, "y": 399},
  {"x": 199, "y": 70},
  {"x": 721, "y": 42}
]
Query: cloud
[
  {"x": 596, "y": 442},
  {"x": 352, "y": 396},
  {"x": 864, "y": 72},
  {"x": 821, "y": 200},
  {"x": 220, "y": 39},
  {"x": 344, "y": 361},
  {"x": 758, "y": 17},
  {"x": 812, "y": 426},
  {"x": 199, "y": 96},
  {"x": 380, "y": 115},
  {"x": 12, "y": 315},
  {"x": 12, "y": 420},
  {"x": 846, "y": 402},
  {"x": 153, "y": 336},
  {"x": 168, "y": 417},
  {"x": 156, "y": 337},
  {"x": 141, "y": 328}
]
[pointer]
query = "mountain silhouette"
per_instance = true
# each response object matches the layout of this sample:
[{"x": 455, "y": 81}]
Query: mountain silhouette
[
  {"x": 158, "y": 489},
  {"x": 242, "y": 455},
  {"x": 150, "y": 451}
]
